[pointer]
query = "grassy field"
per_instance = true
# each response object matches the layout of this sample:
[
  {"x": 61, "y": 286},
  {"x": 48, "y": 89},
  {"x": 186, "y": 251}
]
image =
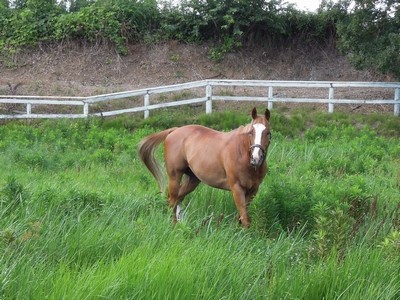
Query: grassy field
[{"x": 81, "y": 218}]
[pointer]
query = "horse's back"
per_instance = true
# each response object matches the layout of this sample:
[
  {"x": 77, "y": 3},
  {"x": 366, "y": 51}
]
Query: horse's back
[
  {"x": 194, "y": 135},
  {"x": 195, "y": 130}
]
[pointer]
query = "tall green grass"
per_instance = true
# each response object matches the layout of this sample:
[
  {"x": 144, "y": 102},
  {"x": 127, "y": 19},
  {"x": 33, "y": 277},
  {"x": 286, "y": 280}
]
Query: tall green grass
[{"x": 81, "y": 218}]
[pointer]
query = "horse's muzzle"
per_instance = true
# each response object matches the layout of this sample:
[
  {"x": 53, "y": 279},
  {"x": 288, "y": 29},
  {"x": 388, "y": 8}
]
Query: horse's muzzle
[
  {"x": 256, "y": 162},
  {"x": 256, "y": 159}
]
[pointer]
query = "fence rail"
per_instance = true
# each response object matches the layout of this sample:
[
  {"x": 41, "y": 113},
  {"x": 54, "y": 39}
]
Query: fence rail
[{"x": 267, "y": 88}]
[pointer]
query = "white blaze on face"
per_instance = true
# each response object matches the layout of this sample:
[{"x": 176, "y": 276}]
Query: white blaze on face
[{"x": 258, "y": 130}]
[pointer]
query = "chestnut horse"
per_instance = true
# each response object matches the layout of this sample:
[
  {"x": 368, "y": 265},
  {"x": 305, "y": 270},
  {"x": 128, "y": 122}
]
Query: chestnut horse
[{"x": 232, "y": 160}]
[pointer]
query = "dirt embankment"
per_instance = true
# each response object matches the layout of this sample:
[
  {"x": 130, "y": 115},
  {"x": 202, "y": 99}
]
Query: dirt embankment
[
  {"x": 83, "y": 71},
  {"x": 74, "y": 70}
]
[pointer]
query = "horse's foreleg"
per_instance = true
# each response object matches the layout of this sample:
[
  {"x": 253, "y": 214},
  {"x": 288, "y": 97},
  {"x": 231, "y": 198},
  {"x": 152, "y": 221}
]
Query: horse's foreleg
[{"x": 239, "y": 197}]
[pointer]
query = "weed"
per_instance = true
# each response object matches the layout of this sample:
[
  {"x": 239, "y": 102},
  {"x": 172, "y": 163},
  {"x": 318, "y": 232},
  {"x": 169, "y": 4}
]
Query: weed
[{"x": 391, "y": 243}]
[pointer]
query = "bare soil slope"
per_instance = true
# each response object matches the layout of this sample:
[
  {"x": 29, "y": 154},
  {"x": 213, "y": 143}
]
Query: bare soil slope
[{"x": 82, "y": 71}]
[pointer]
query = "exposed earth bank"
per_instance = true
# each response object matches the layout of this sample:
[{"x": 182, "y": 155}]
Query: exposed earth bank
[{"x": 82, "y": 71}]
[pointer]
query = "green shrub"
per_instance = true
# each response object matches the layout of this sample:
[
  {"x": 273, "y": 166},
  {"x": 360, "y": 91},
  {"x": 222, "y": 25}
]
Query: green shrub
[{"x": 368, "y": 35}]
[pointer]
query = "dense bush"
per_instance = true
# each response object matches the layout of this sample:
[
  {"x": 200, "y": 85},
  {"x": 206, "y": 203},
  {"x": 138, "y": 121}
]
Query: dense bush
[
  {"x": 366, "y": 31},
  {"x": 27, "y": 24},
  {"x": 369, "y": 34},
  {"x": 228, "y": 23},
  {"x": 117, "y": 21}
]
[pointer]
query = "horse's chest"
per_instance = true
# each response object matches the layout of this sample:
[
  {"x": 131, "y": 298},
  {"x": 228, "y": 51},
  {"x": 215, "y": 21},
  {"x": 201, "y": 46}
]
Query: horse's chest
[{"x": 252, "y": 178}]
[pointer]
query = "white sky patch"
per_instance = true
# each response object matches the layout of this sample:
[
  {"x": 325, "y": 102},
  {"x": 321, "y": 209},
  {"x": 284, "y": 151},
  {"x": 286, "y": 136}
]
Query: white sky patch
[{"x": 308, "y": 5}]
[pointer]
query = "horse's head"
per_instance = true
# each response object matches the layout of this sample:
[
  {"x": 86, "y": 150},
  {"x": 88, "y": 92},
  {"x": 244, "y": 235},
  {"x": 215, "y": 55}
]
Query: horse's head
[{"x": 259, "y": 137}]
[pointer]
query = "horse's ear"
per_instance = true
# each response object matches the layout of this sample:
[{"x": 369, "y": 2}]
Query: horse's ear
[
  {"x": 254, "y": 113},
  {"x": 267, "y": 114}
]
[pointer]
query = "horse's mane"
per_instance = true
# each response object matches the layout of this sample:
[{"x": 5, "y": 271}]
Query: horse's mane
[{"x": 244, "y": 129}]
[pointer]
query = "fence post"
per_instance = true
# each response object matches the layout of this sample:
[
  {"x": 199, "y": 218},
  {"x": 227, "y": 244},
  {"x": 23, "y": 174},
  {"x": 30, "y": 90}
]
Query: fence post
[
  {"x": 209, "y": 98},
  {"x": 146, "y": 103},
  {"x": 397, "y": 104},
  {"x": 270, "y": 95},
  {"x": 28, "y": 109},
  {"x": 85, "y": 109},
  {"x": 331, "y": 95}
]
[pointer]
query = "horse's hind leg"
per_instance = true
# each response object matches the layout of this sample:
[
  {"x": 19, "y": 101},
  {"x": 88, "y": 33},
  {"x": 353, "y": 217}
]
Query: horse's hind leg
[
  {"x": 178, "y": 191},
  {"x": 188, "y": 186},
  {"x": 174, "y": 185}
]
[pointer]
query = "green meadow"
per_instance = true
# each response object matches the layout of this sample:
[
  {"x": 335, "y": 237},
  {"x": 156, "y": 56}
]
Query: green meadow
[{"x": 81, "y": 217}]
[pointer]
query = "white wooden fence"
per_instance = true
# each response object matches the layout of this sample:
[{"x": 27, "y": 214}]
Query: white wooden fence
[{"x": 210, "y": 90}]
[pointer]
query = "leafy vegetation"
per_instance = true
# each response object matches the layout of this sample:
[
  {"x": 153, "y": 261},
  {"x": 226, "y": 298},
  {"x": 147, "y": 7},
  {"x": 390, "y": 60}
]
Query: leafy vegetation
[
  {"x": 366, "y": 31},
  {"x": 80, "y": 216},
  {"x": 370, "y": 35}
]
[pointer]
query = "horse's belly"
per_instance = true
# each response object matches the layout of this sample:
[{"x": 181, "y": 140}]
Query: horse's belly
[
  {"x": 221, "y": 184},
  {"x": 210, "y": 175}
]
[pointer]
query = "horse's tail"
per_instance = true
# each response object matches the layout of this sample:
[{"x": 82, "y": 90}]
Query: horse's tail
[{"x": 146, "y": 149}]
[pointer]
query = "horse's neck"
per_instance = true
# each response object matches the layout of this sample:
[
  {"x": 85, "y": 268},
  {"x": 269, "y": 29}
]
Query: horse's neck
[
  {"x": 242, "y": 135},
  {"x": 243, "y": 129}
]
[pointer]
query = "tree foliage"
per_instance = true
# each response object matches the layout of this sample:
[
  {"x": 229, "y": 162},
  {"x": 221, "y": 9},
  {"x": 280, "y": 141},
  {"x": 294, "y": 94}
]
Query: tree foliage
[
  {"x": 370, "y": 34},
  {"x": 115, "y": 21},
  {"x": 27, "y": 23},
  {"x": 367, "y": 31}
]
